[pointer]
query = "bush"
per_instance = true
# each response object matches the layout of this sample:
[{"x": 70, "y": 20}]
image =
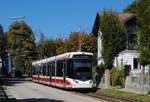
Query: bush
[
  {"x": 98, "y": 71},
  {"x": 121, "y": 77},
  {"x": 117, "y": 77},
  {"x": 113, "y": 76}
]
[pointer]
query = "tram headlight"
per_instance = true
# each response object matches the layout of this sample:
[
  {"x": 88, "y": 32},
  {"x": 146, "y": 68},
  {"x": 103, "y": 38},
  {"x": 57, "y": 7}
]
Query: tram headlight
[
  {"x": 76, "y": 81},
  {"x": 91, "y": 81}
]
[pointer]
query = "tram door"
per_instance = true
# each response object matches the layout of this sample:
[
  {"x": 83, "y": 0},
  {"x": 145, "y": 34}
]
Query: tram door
[{"x": 64, "y": 72}]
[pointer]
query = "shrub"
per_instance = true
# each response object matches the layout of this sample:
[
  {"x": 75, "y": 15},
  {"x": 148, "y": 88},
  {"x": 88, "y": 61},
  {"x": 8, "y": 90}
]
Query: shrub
[
  {"x": 97, "y": 68},
  {"x": 117, "y": 77}
]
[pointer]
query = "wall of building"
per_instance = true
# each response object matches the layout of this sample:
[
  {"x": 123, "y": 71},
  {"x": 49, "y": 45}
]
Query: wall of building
[{"x": 127, "y": 57}]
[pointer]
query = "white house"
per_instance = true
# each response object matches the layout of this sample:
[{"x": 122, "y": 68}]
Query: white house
[{"x": 127, "y": 58}]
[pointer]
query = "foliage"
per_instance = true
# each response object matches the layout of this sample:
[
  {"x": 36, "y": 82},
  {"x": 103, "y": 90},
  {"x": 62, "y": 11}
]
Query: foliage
[
  {"x": 131, "y": 8},
  {"x": 50, "y": 47},
  {"x": 121, "y": 77},
  {"x": 1, "y": 41},
  {"x": 117, "y": 76},
  {"x": 97, "y": 68},
  {"x": 3, "y": 45},
  {"x": 113, "y": 37},
  {"x": 94, "y": 73},
  {"x": 113, "y": 76},
  {"x": 129, "y": 95},
  {"x": 21, "y": 44},
  {"x": 143, "y": 14},
  {"x": 42, "y": 45},
  {"x": 53, "y": 47},
  {"x": 142, "y": 8}
]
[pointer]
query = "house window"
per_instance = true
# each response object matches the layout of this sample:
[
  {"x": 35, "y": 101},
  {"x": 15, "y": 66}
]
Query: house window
[{"x": 135, "y": 63}]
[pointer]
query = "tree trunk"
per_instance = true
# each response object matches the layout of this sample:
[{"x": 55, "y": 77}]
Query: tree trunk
[
  {"x": 107, "y": 78},
  {"x": 142, "y": 79}
]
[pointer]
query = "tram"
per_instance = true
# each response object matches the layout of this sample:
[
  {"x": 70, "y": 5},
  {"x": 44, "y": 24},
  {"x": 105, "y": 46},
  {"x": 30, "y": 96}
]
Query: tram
[{"x": 70, "y": 70}]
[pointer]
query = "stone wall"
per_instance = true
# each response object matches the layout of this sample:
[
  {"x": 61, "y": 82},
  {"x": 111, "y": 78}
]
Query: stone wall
[{"x": 133, "y": 81}]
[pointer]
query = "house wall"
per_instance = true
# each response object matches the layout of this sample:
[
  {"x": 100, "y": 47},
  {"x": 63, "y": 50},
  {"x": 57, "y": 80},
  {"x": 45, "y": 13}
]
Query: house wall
[{"x": 126, "y": 57}]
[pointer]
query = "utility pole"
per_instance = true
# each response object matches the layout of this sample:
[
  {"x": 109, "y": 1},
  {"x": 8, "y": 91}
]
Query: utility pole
[{"x": 80, "y": 43}]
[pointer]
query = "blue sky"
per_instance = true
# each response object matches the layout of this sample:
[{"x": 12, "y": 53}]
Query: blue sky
[{"x": 57, "y": 18}]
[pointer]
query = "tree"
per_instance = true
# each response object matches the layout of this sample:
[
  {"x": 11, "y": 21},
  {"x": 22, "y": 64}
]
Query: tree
[
  {"x": 42, "y": 45},
  {"x": 50, "y": 47},
  {"x": 131, "y": 8},
  {"x": 81, "y": 41},
  {"x": 113, "y": 40},
  {"x": 143, "y": 15},
  {"x": 72, "y": 44},
  {"x": 1, "y": 41},
  {"x": 21, "y": 44},
  {"x": 142, "y": 10},
  {"x": 74, "y": 41},
  {"x": 3, "y": 49},
  {"x": 60, "y": 46}
]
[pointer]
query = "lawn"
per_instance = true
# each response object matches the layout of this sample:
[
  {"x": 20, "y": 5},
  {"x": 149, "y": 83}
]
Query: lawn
[{"x": 118, "y": 93}]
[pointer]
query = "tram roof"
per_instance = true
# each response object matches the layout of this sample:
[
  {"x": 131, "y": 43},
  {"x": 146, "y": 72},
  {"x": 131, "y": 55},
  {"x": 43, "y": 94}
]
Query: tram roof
[{"x": 61, "y": 56}]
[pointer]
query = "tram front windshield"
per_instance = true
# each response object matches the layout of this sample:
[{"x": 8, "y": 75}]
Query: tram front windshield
[{"x": 82, "y": 68}]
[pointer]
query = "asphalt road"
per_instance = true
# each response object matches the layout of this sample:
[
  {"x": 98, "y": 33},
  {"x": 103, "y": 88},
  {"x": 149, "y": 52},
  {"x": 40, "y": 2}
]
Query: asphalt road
[{"x": 26, "y": 91}]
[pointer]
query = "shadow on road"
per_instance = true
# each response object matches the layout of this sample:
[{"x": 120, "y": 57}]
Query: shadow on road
[
  {"x": 31, "y": 100},
  {"x": 38, "y": 100},
  {"x": 92, "y": 90},
  {"x": 12, "y": 81}
]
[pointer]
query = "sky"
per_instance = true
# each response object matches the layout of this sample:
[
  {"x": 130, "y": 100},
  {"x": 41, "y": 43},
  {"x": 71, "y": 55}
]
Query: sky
[{"x": 57, "y": 18}]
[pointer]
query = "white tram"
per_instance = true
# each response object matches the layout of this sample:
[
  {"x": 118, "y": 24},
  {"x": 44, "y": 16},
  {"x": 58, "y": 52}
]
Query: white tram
[{"x": 71, "y": 70}]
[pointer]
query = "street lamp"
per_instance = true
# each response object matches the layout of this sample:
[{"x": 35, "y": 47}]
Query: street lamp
[{"x": 17, "y": 17}]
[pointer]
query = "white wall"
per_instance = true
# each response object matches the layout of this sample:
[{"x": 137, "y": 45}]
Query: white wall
[{"x": 126, "y": 58}]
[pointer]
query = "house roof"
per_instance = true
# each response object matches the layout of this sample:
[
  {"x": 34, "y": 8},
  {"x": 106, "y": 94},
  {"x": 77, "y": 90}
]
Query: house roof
[{"x": 124, "y": 17}]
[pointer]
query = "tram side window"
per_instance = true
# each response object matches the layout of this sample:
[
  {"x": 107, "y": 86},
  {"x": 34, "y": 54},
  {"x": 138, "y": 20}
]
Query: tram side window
[
  {"x": 40, "y": 69},
  {"x": 44, "y": 69},
  {"x": 48, "y": 69},
  {"x": 33, "y": 69},
  {"x": 53, "y": 68},
  {"x": 59, "y": 68},
  {"x": 69, "y": 68},
  {"x": 37, "y": 70}
]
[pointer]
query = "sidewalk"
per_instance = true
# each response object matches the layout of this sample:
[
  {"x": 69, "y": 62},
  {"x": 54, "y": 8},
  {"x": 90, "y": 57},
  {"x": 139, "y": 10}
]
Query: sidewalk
[{"x": 3, "y": 95}]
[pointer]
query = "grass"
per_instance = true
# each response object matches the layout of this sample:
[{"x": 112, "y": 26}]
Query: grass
[{"x": 118, "y": 93}]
